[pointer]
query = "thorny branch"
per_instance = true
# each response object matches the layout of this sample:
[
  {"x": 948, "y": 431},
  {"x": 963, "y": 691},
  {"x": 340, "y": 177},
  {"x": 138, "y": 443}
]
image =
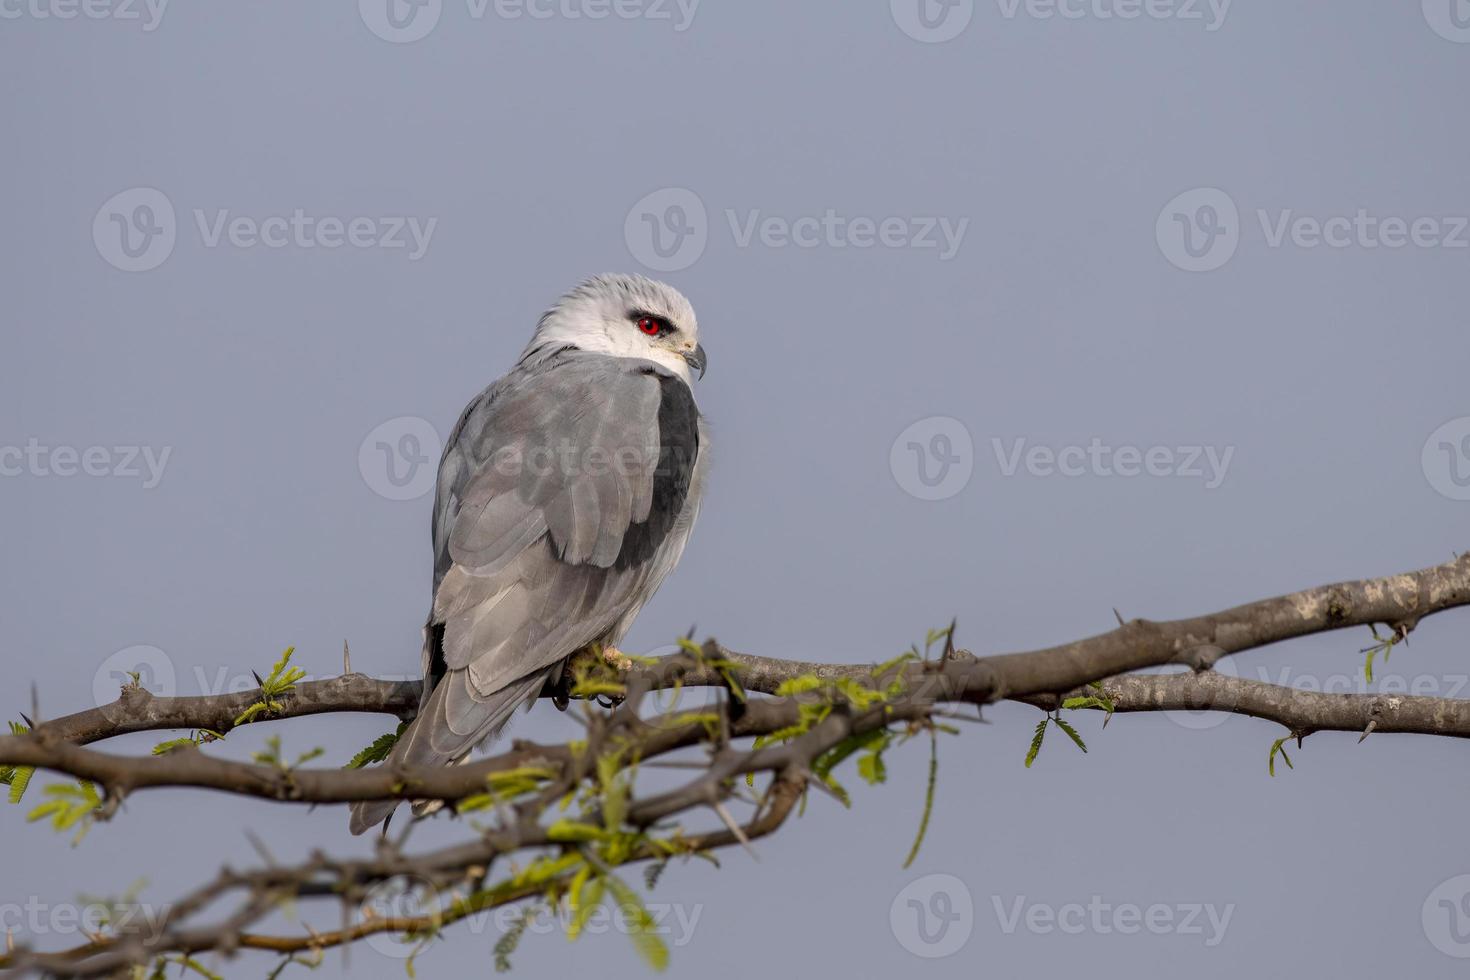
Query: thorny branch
[{"x": 854, "y": 702}]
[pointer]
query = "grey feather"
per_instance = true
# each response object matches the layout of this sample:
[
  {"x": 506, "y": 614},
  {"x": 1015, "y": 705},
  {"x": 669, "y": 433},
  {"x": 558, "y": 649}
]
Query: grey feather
[{"x": 566, "y": 494}]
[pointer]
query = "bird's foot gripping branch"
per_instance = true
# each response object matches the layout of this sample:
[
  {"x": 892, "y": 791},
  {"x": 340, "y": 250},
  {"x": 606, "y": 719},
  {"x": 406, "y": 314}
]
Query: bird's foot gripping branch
[{"x": 565, "y": 827}]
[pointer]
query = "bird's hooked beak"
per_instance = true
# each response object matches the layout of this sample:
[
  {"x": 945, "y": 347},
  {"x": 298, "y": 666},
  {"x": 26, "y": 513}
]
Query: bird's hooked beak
[{"x": 695, "y": 358}]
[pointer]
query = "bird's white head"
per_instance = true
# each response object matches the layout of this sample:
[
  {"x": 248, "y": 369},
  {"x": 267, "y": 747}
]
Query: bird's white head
[{"x": 623, "y": 316}]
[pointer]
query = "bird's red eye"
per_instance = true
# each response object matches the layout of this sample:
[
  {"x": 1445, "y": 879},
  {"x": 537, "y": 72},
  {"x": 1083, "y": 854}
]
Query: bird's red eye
[{"x": 650, "y": 325}]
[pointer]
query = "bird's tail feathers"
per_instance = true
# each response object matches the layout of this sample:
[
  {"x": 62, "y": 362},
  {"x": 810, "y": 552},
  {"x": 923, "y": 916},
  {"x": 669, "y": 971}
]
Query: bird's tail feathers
[{"x": 431, "y": 739}]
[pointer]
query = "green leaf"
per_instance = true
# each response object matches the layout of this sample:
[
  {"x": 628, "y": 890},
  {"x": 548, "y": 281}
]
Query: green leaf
[
  {"x": 1036, "y": 738},
  {"x": 591, "y": 900},
  {"x": 928, "y": 799},
  {"x": 510, "y": 939},
  {"x": 1278, "y": 746},
  {"x": 281, "y": 680},
  {"x": 164, "y": 748},
  {"x": 872, "y": 769},
  {"x": 378, "y": 751},
  {"x": 569, "y": 831},
  {"x": 653, "y": 873},
  {"x": 70, "y": 805},
  {"x": 1066, "y": 726},
  {"x": 20, "y": 778},
  {"x": 641, "y": 926}
]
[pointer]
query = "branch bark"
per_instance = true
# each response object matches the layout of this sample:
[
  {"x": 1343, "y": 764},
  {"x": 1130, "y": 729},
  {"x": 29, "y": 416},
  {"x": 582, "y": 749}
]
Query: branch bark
[{"x": 838, "y": 703}]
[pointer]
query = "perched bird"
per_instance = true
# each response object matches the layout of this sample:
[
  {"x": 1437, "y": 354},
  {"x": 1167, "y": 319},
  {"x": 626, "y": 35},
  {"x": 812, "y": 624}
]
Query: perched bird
[{"x": 566, "y": 494}]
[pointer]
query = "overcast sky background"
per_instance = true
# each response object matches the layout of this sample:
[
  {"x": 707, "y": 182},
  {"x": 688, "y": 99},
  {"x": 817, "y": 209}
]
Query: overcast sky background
[{"x": 1070, "y": 309}]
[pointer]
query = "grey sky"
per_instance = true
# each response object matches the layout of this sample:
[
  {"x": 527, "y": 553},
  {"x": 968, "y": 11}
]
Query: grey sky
[{"x": 1054, "y": 162}]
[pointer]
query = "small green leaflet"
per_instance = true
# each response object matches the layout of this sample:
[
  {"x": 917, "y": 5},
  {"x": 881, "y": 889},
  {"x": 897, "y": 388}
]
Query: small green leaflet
[
  {"x": 378, "y": 751},
  {"x": 1278, "y": 746},
  {"x": 1036, "y": 738}
]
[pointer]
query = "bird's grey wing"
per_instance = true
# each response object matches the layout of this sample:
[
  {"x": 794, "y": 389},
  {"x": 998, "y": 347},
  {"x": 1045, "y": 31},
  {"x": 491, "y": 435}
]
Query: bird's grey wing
[{"x": 577, "y": 473}]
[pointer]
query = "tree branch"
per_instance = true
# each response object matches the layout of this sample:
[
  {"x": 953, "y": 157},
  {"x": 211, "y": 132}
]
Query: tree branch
[{"x": 811, "y": 712}]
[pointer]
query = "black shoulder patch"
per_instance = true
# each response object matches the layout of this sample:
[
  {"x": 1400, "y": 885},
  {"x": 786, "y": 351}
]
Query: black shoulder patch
[{"x": 678, "y": 433}]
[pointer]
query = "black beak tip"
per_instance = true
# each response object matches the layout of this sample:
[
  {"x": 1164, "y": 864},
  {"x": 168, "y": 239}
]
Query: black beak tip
[{"x": 697, "y": 360}]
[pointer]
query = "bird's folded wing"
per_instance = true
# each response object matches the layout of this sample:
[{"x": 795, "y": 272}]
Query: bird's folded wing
[{"x": 573, "y": 476}]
